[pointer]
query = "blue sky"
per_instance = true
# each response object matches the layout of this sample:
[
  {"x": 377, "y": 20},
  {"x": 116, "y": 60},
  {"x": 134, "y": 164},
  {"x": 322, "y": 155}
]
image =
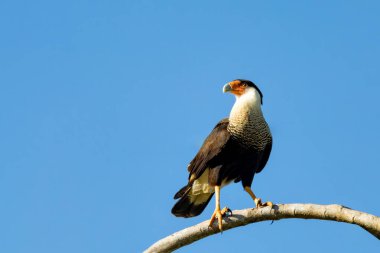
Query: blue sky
[{"x": 103, "y": 104}]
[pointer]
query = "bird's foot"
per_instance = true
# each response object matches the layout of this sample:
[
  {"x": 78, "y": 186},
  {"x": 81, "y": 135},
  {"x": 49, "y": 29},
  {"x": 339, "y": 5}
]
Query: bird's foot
[
  {"x": 219, "y": 214},
  {"x": 260, "y": 204}
]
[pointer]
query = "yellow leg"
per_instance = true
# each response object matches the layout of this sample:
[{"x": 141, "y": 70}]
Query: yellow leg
[
  {"x": 257, "y": 200},
  {"x": 218, "y": 213}
]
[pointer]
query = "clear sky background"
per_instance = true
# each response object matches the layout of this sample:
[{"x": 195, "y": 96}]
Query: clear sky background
[{"x": 104, "y": 103}]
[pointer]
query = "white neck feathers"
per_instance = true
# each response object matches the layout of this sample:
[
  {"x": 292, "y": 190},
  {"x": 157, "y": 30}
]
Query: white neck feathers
[{"x": 246, "y": 104}]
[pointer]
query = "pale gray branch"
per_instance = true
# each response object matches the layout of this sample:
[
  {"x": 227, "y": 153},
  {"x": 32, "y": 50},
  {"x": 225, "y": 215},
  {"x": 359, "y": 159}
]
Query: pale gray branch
[{"x": 244, "y": 217}]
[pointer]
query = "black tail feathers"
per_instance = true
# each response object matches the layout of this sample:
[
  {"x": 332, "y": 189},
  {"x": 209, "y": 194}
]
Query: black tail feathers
[
  {"x": 190, "y": 205},
  {"x": 183, "y": 191}
]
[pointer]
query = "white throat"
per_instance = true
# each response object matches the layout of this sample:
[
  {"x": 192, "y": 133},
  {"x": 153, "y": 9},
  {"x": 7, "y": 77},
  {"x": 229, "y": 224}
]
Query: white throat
[{"x": 246, "y": 106}]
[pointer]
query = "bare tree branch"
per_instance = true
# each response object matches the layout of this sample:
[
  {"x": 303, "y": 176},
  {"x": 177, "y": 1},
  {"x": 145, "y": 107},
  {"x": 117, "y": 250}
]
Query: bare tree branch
[{"x": 244, "y": 217}]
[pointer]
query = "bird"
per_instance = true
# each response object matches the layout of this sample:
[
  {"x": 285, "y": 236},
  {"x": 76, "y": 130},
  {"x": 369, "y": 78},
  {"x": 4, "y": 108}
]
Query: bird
[{"x": 236, "y": 149}]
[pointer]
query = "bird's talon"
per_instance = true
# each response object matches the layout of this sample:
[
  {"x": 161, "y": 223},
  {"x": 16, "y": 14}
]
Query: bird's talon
[
  {"x": 212, "y": 220},
  {"x": 258, "y": 203},
  {"x": 219, "y": 214},
  {"x": 227, "y": 213}
]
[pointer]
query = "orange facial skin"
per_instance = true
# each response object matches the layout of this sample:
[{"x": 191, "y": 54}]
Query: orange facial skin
[{"x": 238, "y": 88}]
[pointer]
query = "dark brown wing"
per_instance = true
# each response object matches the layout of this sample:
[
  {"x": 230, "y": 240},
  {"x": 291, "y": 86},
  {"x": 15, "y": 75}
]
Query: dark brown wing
[{"x": 211, "y": 147}]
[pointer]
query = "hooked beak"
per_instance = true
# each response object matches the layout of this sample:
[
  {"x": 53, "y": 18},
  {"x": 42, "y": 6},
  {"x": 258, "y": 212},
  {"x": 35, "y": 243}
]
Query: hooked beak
[{"x": 227, "y": 88}]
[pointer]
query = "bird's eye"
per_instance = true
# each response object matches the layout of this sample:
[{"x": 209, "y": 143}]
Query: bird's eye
[{"x": 244, "y": 85}]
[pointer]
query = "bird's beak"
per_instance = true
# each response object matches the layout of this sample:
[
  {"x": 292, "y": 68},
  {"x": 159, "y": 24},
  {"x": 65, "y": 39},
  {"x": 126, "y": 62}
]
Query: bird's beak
[{"x": 227, "y": 88}]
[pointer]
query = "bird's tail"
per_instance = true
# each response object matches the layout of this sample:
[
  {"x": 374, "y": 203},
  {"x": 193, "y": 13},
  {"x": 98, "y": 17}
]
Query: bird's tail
[{"x": 189, "y": 204}]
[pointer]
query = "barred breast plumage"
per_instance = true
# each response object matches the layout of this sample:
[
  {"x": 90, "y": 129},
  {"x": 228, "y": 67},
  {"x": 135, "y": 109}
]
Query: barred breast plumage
[{"x": 247, "y": 124}]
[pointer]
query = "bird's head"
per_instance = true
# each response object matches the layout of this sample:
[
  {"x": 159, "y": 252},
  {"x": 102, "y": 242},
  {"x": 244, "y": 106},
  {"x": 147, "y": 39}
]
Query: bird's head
[{"x": 240, "y": 87}]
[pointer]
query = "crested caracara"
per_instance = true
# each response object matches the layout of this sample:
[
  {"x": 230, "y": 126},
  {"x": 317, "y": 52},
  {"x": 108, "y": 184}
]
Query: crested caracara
[{"x": 236, "y": 149}]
